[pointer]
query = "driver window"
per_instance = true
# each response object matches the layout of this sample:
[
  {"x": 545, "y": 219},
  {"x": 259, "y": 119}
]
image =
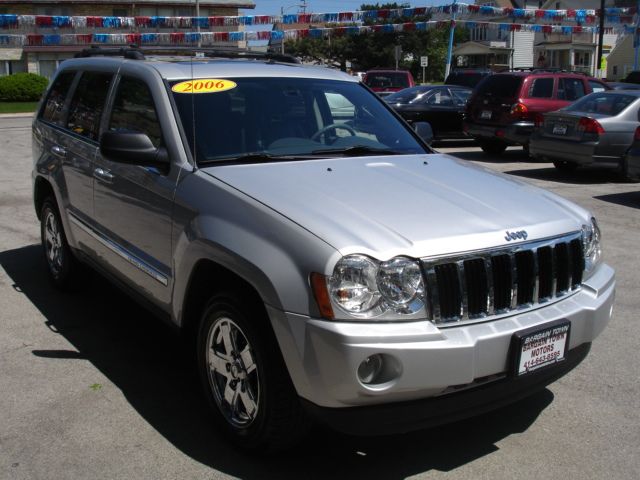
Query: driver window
[
  {"x": 440, "y": 98},
  {"x": 134, "y": 110}
]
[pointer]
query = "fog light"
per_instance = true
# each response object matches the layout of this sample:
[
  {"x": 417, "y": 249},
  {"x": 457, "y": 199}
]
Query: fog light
[{"x": 369, "y": 370}]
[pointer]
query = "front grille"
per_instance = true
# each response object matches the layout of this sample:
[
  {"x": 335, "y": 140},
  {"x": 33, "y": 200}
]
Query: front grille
[{"x": 494, "y": 282}]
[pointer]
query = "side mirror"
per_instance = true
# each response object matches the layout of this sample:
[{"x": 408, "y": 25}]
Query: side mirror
[
  {"x": 134, "y": 148},
  {"x": 424, "y": 131}
]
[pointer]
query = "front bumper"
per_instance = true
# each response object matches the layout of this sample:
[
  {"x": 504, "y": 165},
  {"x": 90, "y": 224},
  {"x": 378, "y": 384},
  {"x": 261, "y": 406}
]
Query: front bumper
[
  {"x": 323, "y": 356},
  {"x": 515, "y": 133}
]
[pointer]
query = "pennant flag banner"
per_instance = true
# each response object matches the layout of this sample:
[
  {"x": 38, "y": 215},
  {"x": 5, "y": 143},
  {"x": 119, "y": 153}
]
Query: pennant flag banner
[
  {"x": 462, "y": 10},
  {"x": 211, "y": 38}
]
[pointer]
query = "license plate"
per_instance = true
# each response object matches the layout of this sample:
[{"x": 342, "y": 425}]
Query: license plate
[
  {"x": 559, "y": 129},
  {"x": 539, "y": 347},
  {"x": 485, "y": 114}
]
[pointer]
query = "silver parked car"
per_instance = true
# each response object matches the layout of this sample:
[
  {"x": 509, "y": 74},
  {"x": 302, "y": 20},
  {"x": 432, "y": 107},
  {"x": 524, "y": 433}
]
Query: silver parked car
[
  {"x": 597, "y": 129},
  {"x": 326, "y": 263}
]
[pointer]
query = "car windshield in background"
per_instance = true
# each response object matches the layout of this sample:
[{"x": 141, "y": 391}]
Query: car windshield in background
[
  {"x": 408, "y": 95},
  {"x": 271, "y": 119},
  {"x": 607, "y": 104},
  {"x": 387, "y": 80},
  {"x": 500, "y": 86}
]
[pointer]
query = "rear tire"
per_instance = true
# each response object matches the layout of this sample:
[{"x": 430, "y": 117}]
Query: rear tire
[
  {"x": 65, "y": 271},
  {"x": 492, "y": 147},
  {"x": 624, "y": 172},
  {"x": 564, "y": 166},
  {"x": 244, "y": 377}
]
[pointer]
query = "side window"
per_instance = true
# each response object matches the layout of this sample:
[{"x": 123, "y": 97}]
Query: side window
[
  {"x": 87, "y": 104},
  {"x": 596, "y": 86},
  {"x": 134, "y": 110},
  {"x": 53, "y": 105},
  {"x": 460, "y": 97},
  {"x": 341, "y": 108},
  {"x": 440, "y": 98},
  {"x": 570, "y": 89},
  {"x": 541, "y": 88}
]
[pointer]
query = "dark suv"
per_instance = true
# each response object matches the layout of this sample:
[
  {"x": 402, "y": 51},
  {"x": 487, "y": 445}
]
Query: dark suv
[
  {"x": 467, "y": 77},
  {"x": 503, "y": 108}
]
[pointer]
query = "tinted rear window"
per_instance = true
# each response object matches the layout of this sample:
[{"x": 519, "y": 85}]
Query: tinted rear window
[
  {"x": 500, "y": 86},
  {"x": 609, "y": 104},
  {"x": 541, "y": 88},
  {"x": 465, "y": 79},
  {"x": 387, "y": 80},
  {"x": 53, "y": 106}
]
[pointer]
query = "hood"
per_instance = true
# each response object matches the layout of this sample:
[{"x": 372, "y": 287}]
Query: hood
[{"x": 415, "y": 205}]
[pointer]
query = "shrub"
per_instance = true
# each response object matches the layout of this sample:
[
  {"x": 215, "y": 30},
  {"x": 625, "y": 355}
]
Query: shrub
[{"x": 22, "y": 87}]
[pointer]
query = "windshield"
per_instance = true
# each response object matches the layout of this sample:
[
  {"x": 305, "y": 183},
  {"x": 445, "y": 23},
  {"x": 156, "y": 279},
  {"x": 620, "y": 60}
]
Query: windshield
[
  {"x": 387, "y": 80},
  {"x": 465, "y": 79},
  {"x": 608, "y": 104},
  {"x": 501, "y": 86},
  {"x": 269, "y": 119}
]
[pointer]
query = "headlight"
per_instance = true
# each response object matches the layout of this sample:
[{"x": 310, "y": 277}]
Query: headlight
[
  {"x": 591, "y": 245},
  {"x": 363, "y": 287}
]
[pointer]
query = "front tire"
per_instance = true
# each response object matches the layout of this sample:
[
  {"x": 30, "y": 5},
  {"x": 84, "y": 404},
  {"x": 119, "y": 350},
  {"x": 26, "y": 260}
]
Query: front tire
[
  {"x": 244, "y": 377},
  {"x": 63, "y": 268},
  {"x": 492, "y": 147}
]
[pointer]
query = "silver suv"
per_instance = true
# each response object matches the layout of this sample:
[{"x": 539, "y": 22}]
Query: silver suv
[{"x": 327, "y": 264}]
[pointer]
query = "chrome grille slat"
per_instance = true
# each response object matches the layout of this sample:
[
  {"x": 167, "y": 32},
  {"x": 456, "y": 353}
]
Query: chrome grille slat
[{"x": 480, "y": 285}]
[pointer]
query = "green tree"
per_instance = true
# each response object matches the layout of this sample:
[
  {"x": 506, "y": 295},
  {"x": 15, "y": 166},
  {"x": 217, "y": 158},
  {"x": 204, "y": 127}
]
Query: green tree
[{"x": 376, "y": 49}]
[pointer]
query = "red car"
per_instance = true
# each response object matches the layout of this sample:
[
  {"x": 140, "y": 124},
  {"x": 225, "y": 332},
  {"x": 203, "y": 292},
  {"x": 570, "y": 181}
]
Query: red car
[
  {"x": 388, "y": 81},
  {"x": 504, "y": 107}
]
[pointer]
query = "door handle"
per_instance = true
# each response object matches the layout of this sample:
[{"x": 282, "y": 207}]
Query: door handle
[
  {"x": 102, "y": 174},
  {"x": 58, "y": 151}
]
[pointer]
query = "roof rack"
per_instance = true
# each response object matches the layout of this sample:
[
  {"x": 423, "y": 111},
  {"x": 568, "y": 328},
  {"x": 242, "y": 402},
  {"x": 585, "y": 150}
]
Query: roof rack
[{"x": 134, "y": 52}]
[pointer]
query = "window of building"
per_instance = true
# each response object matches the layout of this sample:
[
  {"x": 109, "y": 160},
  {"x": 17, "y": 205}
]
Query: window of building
[
  {"x": 134, "y": 110},
  {"x": 120, "y": 12},
  {"x": 87, "y": 104},
  {"x": 479, "y": 34}
]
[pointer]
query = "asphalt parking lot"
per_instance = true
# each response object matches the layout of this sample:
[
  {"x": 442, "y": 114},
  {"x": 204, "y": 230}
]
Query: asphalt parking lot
[{"x": 92, "y": 386}]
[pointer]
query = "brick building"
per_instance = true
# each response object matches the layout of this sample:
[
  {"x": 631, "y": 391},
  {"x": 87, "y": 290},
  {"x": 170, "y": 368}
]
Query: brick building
[{"x": 43, "y": 59}]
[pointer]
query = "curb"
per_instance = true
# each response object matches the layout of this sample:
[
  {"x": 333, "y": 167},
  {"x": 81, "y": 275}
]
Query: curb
[{"x": 17, "y": 115}]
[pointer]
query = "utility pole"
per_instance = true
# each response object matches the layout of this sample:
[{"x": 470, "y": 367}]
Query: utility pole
[
  {"x": 447, "y": 69},
  {"x": 636, "y": 38},
  {"x": 600, "y": 40},
  {"x": 198, "y": 27}
]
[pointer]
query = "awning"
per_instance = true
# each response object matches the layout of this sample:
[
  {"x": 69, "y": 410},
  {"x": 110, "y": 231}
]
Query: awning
[
  {"x": 10, "y": 53},
  {"x": 476, "y": 48}
]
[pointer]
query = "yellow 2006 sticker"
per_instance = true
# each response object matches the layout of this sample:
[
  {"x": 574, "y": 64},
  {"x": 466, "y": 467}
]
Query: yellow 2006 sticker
[{"x": 204, "y": 85}]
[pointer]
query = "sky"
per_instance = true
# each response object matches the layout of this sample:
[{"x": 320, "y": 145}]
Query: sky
[{"x": 272, "y": 7}]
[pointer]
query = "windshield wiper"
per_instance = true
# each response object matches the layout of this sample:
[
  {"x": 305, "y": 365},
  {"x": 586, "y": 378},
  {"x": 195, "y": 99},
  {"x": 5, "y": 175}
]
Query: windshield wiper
[
  {"x": 356, "y": 151},
  {"x": 254, "y": 157}
]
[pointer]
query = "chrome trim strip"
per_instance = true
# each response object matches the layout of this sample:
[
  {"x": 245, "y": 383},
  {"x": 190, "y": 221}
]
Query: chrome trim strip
[{"x": 118, "y": 250}]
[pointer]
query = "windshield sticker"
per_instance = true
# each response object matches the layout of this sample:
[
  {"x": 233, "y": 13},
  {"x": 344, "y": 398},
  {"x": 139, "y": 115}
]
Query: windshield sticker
[{"x": 203, "y": 85}]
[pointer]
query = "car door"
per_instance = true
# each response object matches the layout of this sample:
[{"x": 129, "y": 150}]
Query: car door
[
  {"x": 74, "y": 142},
  {"x": 438, "y": 109},
  {"x": 133, "y": 203}
]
